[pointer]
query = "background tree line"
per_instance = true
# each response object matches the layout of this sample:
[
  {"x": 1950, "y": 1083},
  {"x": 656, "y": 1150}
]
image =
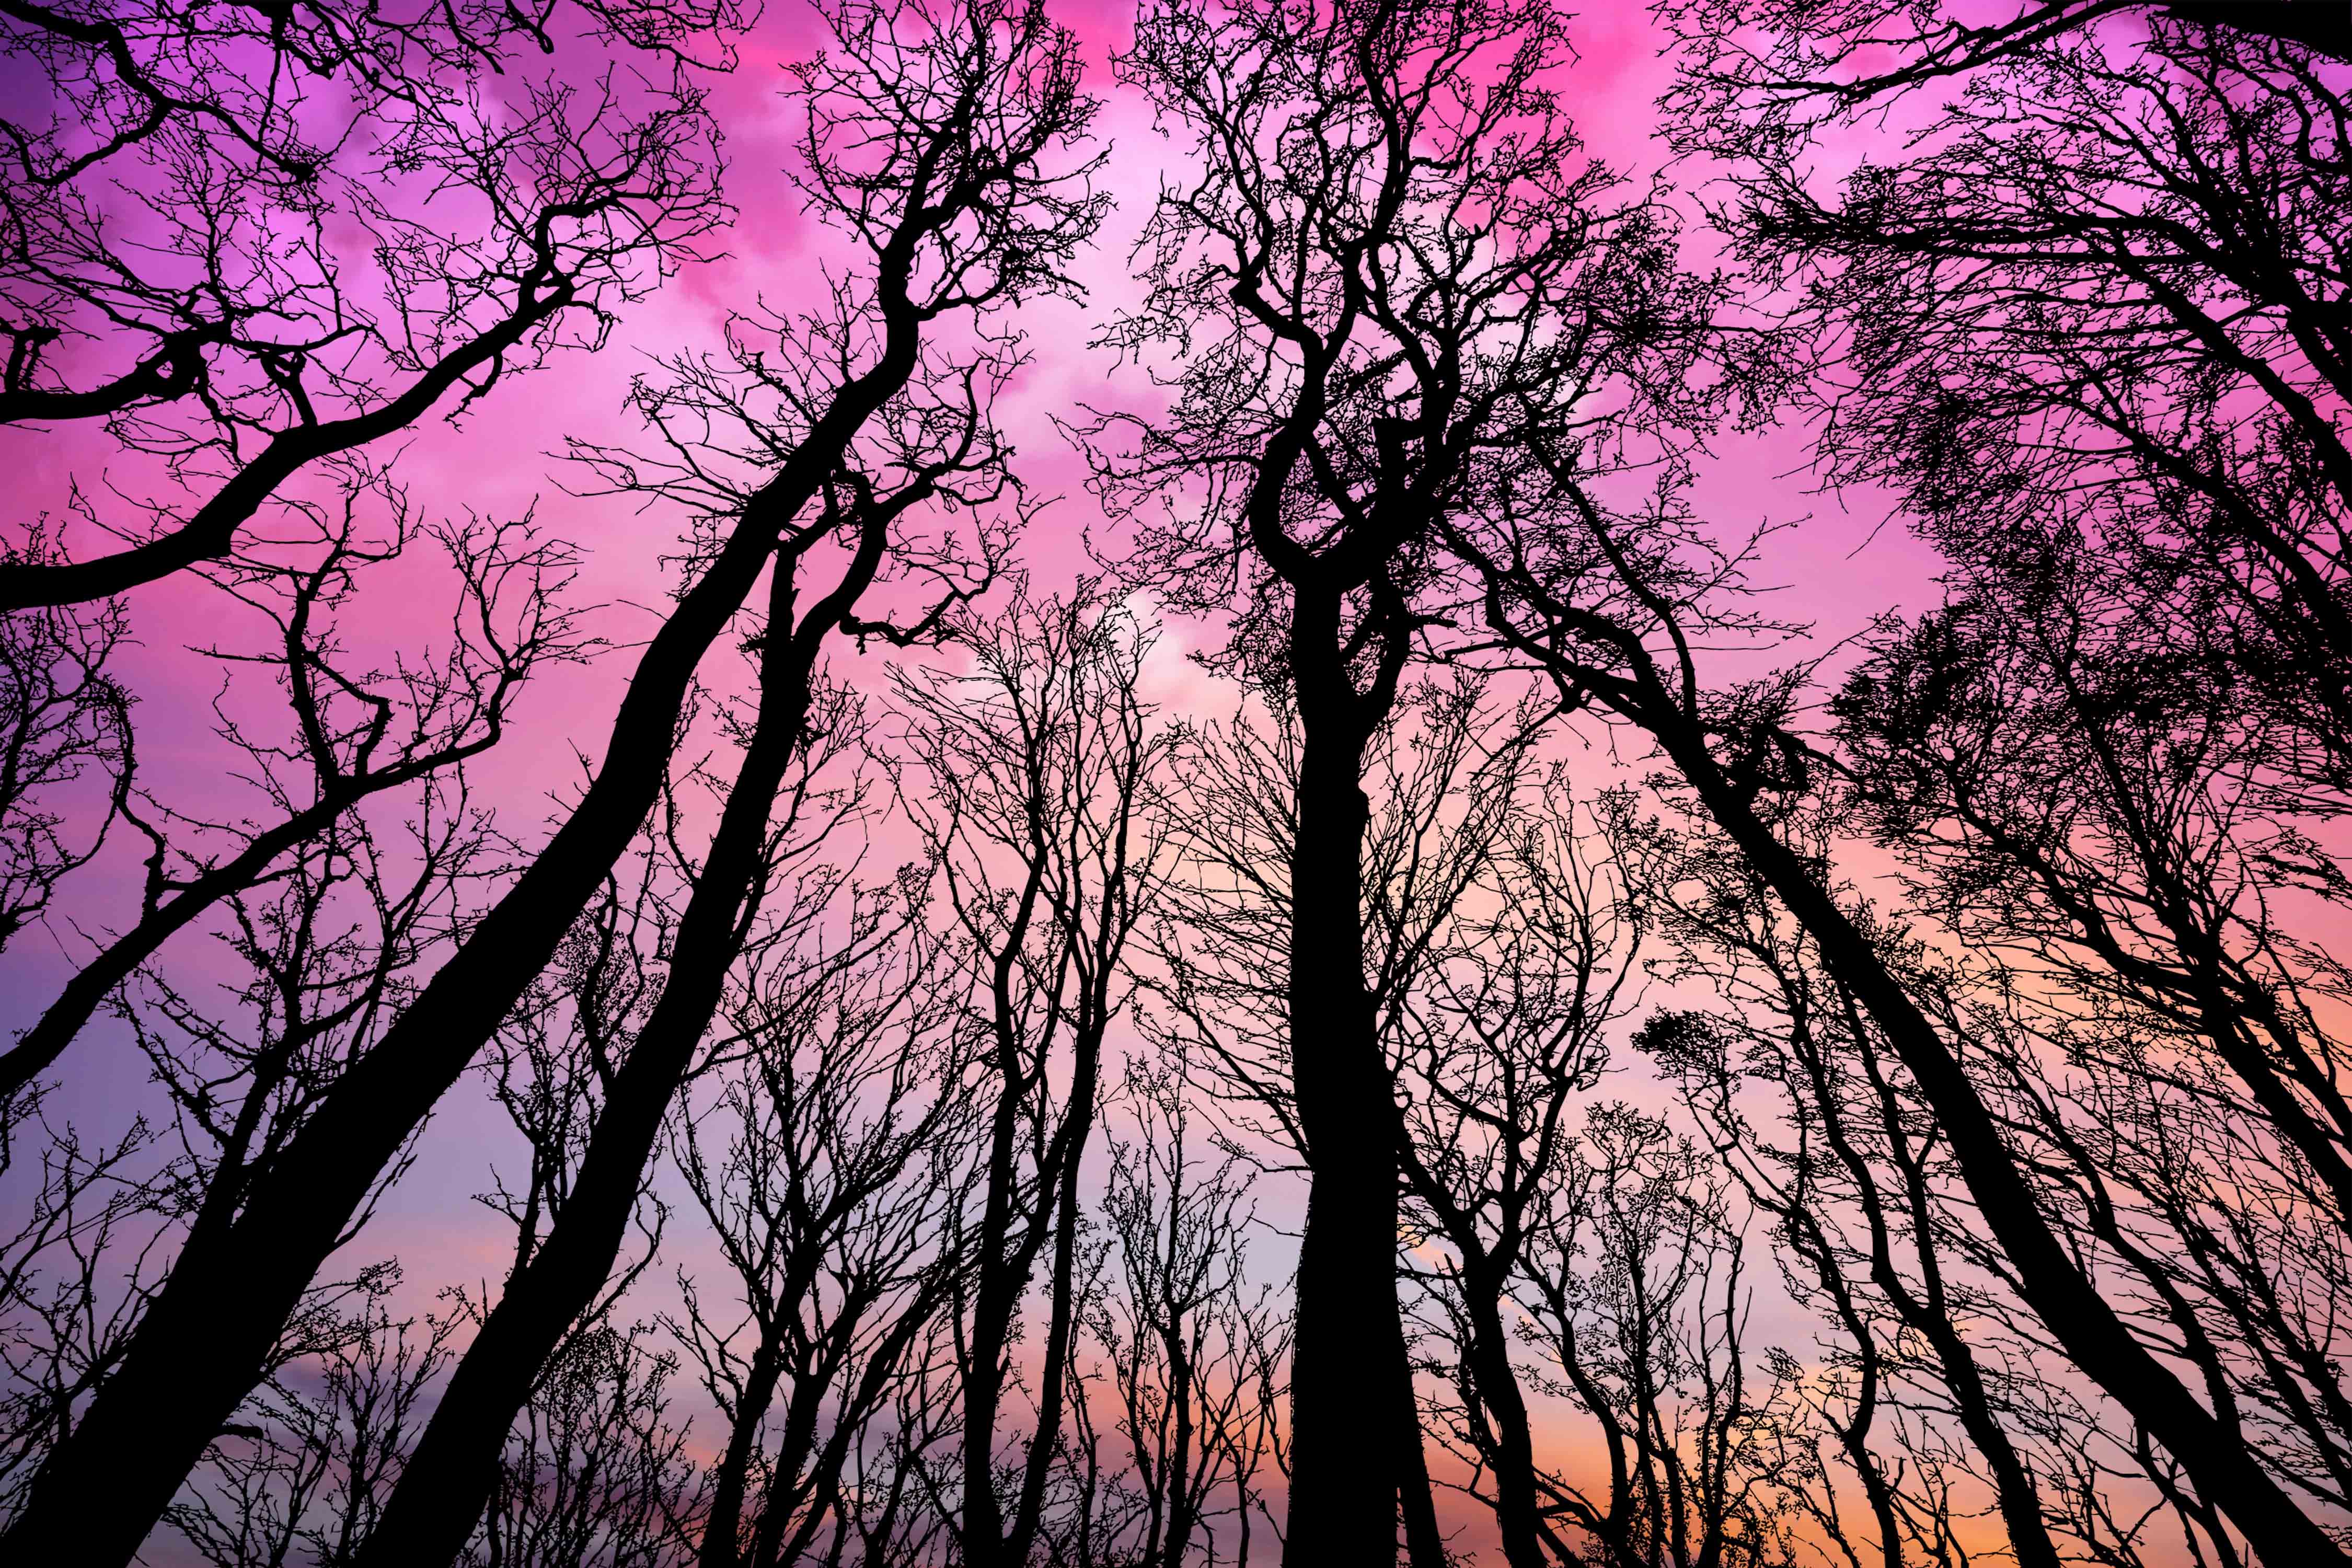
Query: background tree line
[{"x": 1559, "y": 1066}]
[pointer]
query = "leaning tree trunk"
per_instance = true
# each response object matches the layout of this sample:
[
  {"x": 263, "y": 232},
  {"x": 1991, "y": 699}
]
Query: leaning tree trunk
[{"x": 209, "y": 1331}]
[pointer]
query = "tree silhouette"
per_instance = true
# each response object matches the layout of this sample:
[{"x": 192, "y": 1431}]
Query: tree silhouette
[
  {"x": 228, "y": 241},
  {"x": 1032, "y": 773},
  {"x": 1737, "y": 1100},
  {"x": 1390, "y": 252},
  {"x": 352, "y": 733},
  {"x": 979, "y": 102}
]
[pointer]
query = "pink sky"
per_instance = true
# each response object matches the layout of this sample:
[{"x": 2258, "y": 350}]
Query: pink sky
[{"x": 1837, "y": 571}]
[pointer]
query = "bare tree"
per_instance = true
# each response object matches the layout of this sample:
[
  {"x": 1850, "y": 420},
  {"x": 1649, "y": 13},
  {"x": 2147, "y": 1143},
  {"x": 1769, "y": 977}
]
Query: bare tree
[
  {"x": 1613, "y": 606},
  {"x": 229, "y": 240},
  {"x": 1788, "y": 71},
  {"x": 63, "y": 715},
  {"x": 303, "y": 1473},
  {"x": 2060, "y": 328},
  {"x": 632, "y": 1022},
  {"x": 320, "y": 960},
  {"x": 595, "y": 1470},
  {"x": 2089, "y": 312},
  {"x": 2111, "y": 756},
  {"x": 1393, "y": 255},
  {"x": 959, "y": 217},
  {"x": 73, "y": 1273},
  {"x": 1635, "y": 1284},
  {"x": 1196, "y": 1349},
  {"x": 1872, "y": 1220},
  {"x": 1028, "y": 778},
  {"x": 1499, "y": 1031},
  {"x": 351, "y": 732},
  {"x": 837, "y": 1150}
]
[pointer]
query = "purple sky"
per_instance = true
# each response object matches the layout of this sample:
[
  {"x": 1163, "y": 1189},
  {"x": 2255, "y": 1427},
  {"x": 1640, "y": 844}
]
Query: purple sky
[{"x": 1835, "y": 571}]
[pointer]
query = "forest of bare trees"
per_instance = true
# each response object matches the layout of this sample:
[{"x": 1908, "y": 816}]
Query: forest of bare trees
[{"x": 1136, "y": 871}]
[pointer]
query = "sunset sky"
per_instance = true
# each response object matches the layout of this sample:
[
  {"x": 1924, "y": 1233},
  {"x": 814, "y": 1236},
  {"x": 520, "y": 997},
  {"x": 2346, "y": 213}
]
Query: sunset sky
[{"x": 1841, "y": 563}]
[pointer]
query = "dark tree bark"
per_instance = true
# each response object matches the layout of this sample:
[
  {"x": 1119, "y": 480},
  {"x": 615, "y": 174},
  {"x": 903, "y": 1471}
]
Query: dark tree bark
[
  {"x": 1350, "y": 1387},
  {"x": 1732, "y": 759},
  {"x": 1858, "y": 1152},
  {"x": 2086, "y": 326},
  {"x": 2094, "y": 313},
  {"x": 202, "y": 1343},
  {"x": 450, "y": 1476},
  {"x": 1369, "y": 354}
]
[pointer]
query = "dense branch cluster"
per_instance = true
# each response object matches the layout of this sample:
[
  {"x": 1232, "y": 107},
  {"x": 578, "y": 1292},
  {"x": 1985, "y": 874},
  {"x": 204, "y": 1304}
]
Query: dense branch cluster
[{"x": 1545, "y": 1062}]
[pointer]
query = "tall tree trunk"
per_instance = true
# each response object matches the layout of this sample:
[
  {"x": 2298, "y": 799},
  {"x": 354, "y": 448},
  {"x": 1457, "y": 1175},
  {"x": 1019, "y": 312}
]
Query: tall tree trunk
[
  {"x": 1347, "y": 1372},
  {"x": 1177, "y": 1473},
  {"x": 450, "y": 1475},
  {"x": 2061, "y": 1294},
  {"x": 988, "y": 1539},
  {"x": 208, "y": 1333},
  {"x": 1007, "y": 1248},
  {"x": 722, "y": 1527},
  {"x": 1928, "y": 1316},
  {"x": 1516, "y": 1503}
]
